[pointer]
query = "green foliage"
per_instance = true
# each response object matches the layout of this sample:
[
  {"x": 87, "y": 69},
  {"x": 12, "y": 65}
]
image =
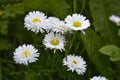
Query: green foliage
[
  {"x": 102, "y": 36},
  {"x": 112, "y": 51},
  {"x": 100, "y": 13},
  {"x": 3, "y": 27},
  {"x": 0, "y": 72},
  {"x": 59, "y": 9},
  {"x": 31, "y": 75},
  {"x": 119, "y": 32},
  {"x": 5, "y": 44},
  {"x": 92, "y": 44}
]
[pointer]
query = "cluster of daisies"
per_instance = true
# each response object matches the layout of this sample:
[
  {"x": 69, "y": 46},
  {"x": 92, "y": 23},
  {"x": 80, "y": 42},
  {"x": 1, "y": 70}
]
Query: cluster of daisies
[{"x": 37, "y": 21}]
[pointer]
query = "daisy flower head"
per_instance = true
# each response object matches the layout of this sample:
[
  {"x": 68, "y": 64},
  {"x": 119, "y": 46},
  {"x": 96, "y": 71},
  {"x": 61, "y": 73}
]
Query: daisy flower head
[
  {"x": 25, "y": 54},
  {"x": 60, "y": 27},
  {"x": 115, "y": 19},
  {"x": 35, "y": 21},
  {"x": 77, "y": 22},
  {"x": 54, "y": 41},
  {"x": 75, "y": 63},
  {"x": 98, "y": 78},
  {"x": 51, "y": 23}
]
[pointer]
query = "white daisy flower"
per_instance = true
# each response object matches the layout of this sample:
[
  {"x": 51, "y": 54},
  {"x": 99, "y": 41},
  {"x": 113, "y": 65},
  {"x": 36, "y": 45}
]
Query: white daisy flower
[
  {"x": 60, "y": 27},
  {"x": 98, "y": 78},
  {"x": 51, "y": 23},
  {"x": 54, "y": 41},
  {"x": 35, "y": 21},
  {"x": 75, "y": 63},
  {"x": 77, "y": 22},
  {"x": 26, "y": 54},
  {"x": 56, "y": 25},
  {"x": 115, "y": 19}
]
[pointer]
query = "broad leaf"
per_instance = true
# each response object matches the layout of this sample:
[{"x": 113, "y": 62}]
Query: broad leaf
[
  {"x": 115, "y": 58},
  {"x": 92, "y": 43},
  {"x": 101, "y": 10},
  {"x": 112, "y": 51},
  {"x": 109, "y": 50},
  {"x": 59, "y": 9}
]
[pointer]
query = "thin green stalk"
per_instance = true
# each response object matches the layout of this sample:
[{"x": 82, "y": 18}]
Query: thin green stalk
[
  {"x": 27, "y": 72},
  {"x": 83, "y": 6},
  {"x": 74, "y": 5},
  {"x": 53, "y": 62},
  {"x": 82, "y": 51},
  {"x": 0, "y": 72},
  {"x": 70, "y": 75},
  {"x": 118, "y": 68},
  {"x": 74, "y": 10},
  {"x": 71, "y": 44}
]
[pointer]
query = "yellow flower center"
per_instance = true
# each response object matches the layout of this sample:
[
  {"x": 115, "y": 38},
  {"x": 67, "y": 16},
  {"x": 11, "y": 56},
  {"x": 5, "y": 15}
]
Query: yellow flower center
[
  {"x": 75, "y": 62},
  {"x": 77, "y": 24},
  {"x": 54, "y": 41},
  {"x": 1, "y": 12},
  {"x": 26, "y": 53},
  {"x": 35, "y": 20}
]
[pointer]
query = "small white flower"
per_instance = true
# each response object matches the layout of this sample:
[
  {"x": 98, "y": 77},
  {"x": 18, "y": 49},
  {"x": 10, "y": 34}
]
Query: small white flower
[
  {"x": 61, "y": 27},
  {"x": 115, "y": 19},
  {"x": 54, "y": 41},
  {"x": 98, "y": 78},
  {"x": 77, "y": 22},
  {"x": 51, "y": 23},
  {"x": 26, "y": 54},
  {"x": 75, "y": 63},
  {"x": 56, "y": 25},
  {"x": 35, "y": 21}
]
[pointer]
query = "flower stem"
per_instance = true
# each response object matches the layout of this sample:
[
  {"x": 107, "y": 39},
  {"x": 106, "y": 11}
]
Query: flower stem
[
  {"x": 74, "y": 5},
  {"x": 83, "y": 6},
  {"x": 0, "y": 72},
  {"x": 74, "y": 35},
  {"x": 72, "y": 42}
]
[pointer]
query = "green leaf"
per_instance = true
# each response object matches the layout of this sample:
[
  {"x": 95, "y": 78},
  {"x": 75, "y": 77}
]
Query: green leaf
[
  {"x": 34, "y": 5},
  {"x": 92, "y": 43},
  {"x": 58, "y": 7},
  {"x": 115, "y": 58},
  {"x": 101, "y": 10},
  {"x": 109, "y": 50},
  {"x": 112, "y": 51}
]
